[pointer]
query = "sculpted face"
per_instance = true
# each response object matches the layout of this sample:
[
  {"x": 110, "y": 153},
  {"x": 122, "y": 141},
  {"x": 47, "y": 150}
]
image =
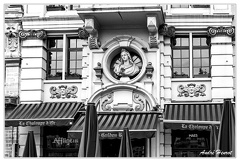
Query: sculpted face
[{"x": 124, "y": 56}]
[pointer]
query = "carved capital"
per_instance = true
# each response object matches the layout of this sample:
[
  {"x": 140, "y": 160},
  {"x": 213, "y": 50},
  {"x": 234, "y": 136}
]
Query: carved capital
[
  {"x": 213, "y": 31},
  {"x": 39, "y": 34},
  {"x": 166, "y": 30}
]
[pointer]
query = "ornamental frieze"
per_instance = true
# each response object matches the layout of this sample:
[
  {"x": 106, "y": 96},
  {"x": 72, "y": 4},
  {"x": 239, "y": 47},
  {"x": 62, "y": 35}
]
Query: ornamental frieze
[
  {"x": 39, "y": 34},
  {"x": 191, "y": 90},
  {"x": 63, "y": 91},
  {"x": 213, "y": 31}
]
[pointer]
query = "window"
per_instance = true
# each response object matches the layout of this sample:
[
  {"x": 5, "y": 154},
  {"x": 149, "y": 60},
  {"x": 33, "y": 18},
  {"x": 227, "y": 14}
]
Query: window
[
  {"x": 64, "y": 65},
  {"x": 190, "y": 57},
  {"x": 189, "y": 6}
]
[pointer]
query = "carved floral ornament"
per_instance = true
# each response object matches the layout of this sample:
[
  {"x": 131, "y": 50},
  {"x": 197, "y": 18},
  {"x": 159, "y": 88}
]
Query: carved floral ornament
[
  {"x": 191, "y": 90},
  {"x": 39, "y": 34},
  {"x": 63, "y": 91},
  {"x": 213, "y": 31}
]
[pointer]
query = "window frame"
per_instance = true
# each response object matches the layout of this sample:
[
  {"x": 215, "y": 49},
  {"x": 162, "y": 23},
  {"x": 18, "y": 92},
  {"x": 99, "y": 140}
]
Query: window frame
[
  {"x": 65, "y": 55},
  {"x": 191, "y": 35}
]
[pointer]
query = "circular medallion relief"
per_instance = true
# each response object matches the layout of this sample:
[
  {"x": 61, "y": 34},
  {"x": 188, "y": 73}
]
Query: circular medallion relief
[{"x": 126, "y": 63}]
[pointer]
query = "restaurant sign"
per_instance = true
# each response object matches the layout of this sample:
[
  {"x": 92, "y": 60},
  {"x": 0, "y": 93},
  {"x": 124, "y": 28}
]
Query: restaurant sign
[
  {"x": 37, "y": 123},
  {"x": 189, "y": 126},
  {"x": 110, "y": 134}
]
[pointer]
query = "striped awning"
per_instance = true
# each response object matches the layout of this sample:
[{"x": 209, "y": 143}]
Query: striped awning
[
  {"x": 180, "y": 116},
  {"x": 43, "y": 114},
  {"x": 144, "y": 122}
]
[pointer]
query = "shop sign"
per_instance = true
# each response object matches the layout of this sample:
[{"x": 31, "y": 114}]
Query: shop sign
[
  {"x": 12, "y": 81},
  {"x": 196, "y": 126},
  {"x": 37, "y": 123},
  {"x": 110, "y": 134},
  {"x": 68, "y": 141}
]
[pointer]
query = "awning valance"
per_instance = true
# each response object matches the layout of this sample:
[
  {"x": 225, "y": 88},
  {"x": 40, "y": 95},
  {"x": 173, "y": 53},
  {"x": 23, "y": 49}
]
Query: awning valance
[
  {"x": 144, "y": 122},
  {"x": 192, "y": 116},
  {"x": 44, "y": 114}
]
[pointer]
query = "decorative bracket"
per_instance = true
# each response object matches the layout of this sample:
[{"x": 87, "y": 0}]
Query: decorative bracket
[
  {"x": 82, "y": 33},
  {"x": 213, "y": 31},
  {"x": 166, "y": 30},
  {"x": 39, "y": 34},
  {"x": 152, "y": 25},
  {"x": 91, "y": 28}
]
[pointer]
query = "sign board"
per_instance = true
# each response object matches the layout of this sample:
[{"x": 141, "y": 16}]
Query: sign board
[
  {"x": 12, "y": 81},
  {"x": 189, "y": 126}
]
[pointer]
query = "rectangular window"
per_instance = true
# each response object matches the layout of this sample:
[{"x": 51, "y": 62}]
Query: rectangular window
[
  {"x": 64, "y": 65},
  {"x": 190, "y": 57}
]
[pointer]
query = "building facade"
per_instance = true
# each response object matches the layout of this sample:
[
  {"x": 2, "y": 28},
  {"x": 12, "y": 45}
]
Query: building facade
[{"x": 163, "y": 71}]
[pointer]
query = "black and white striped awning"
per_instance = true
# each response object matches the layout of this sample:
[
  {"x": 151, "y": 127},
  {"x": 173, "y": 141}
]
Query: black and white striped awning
[{"x": 44, "y": 114}]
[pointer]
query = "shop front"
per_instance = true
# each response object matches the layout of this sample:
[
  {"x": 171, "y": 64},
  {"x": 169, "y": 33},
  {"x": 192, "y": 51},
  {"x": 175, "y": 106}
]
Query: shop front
[
  {"x": 50, "y": 122},
  {"x": 142, "y": 127},
  {"x": 190, "y": 126}
]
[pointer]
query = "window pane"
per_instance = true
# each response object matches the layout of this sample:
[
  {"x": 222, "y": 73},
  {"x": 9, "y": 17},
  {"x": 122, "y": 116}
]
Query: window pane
[
  {"x": 196, "y": 71},
  {"x": 73, "y": 43},
  {"x": 184, "y": 41},
  {"x": 59, "y": 43},
  {"x": 185, "y": 62},
  {"x": 177, "y": 63},
  {"x": 79, "y": 71},
  {"x": 53, "y": 65},
  {"x": 59, "y": 64},
  {"x": 79, "y": 64},
  {"x": 205, "y": 52},
  {"x": 177, "y": 71},
  {"x": 79, "y": 43},
  {"x": 59, "y": 55},
  {"x": 196, "y": 53},
  {"x": 176, "y": 54},
  {"x": 196, "y": 41},
  {"x": 72, "y": 56},
  {"x": 79, "y": 55},
  {"x": 205, "y": 62},
  {"x": 54, "y": 55},
  {"x": 185, "y": 71},
  {"x": 204, "y": 41},
  {"x": 72, "y": 71},
  {"x": 185, "y": 53},
  {"x": 175, "y": 6},
  {"x": 53, "y": 72},
  {"x": 196, "y": 62},
  {"x": 205, "y": 70},
  {"x": 72, "y": 64},
  {"x": 178, "y": 41}
]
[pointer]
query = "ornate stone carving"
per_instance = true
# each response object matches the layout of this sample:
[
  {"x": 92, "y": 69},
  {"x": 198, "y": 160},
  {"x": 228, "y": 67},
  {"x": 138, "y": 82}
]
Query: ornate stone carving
[
  {"x": 106, "y": 101},
  {"x": 149, "y": 70},
  {"x": 152, "y": 25},
  {"x": 98, "y": 70},
  {"x": 139, "y": 100},
  {"x": 39, "y": 34},
  {"x": 11, "y": 32},
  {"x": 63, "y": 91},
  {"x": 82, "y": 33},
  {"x": 191, "y": 90},
  {"x": 166, "y": 30},
  {"x": 91, "y": 28},
  {"x": 213, "y": 31}
]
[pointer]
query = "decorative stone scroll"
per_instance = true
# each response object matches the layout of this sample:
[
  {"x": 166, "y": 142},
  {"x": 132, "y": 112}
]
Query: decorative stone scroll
[
  {"x": 106, "y": 101},
  {"x": 91, "y": 28},
  {"x": 166, "y": 30},
  {"x": 82, "y": 33},
  {"x": 39, "y": 34},
  {"x": 191, "y": 90},
  {"x": 213, "y": 31},
  {"x": 139, "y": 100},
  {"x": 63, "y": 91}
]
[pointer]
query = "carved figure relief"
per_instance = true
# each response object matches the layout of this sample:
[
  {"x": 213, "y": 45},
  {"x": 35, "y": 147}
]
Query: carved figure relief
[
  {"x": 125, "y": 66},
  {"x": 12, "y": 40},
  {"x": 191, "y": 90},
  {"x": 63, "y": 91}
]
